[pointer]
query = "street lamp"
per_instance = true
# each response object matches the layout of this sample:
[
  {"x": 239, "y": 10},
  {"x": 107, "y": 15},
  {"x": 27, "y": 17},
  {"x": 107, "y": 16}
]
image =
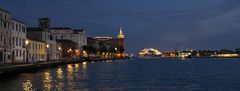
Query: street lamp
[
  {"x": 60, "y": 48},
  {"x": 60, "y": 53},
  {"x": 47, "y": 52},
  {"x": 85, "y": 53},
  {"x": 116, "y": 51},
  {"x": 47, "y": 45},
  {"x": 26, "y": 44}
]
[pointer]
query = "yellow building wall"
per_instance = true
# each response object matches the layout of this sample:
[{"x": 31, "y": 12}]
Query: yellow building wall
[{"x": 37, "y": 51}]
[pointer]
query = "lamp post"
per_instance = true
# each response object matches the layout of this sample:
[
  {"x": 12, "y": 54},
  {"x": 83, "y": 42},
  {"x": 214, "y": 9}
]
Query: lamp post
[
  {"x": 77, "y": 53},
  {"x": 47, "y": 52},
  {"x": 116, "y": 52},
  {"x": 27, "y": 44},
  {"x": 60, "y": 53}
]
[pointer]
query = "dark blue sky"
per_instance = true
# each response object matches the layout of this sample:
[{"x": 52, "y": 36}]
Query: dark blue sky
[{"x": 200, "y": 24}]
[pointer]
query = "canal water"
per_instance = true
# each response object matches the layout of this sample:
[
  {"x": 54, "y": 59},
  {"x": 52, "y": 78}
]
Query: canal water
[{"x": 132, "y": 75}]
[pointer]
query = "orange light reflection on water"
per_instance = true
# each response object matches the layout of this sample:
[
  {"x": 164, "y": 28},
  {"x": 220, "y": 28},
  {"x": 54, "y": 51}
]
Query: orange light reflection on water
[
  {"x": 27, "y": 85},
  {"x": 47, "y": 81}
]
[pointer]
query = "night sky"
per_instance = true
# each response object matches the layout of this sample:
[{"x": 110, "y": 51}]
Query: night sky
[{"x": 197, "y": 24}]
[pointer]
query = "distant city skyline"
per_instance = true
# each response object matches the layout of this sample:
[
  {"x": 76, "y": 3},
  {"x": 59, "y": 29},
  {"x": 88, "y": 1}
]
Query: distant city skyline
[{"x": 203, "y": 24}]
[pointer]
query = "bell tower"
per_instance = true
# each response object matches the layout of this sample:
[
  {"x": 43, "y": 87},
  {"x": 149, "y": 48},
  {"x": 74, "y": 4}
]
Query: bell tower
[
  {"x": 121, "y": 46},
  {"x": 44, "y": 23}
]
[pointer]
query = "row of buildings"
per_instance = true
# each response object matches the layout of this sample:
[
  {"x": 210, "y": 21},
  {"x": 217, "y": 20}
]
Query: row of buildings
[
  {"x": 20, "y": 43},
  {"x": 224, "y": 53},
  {"x": 105, "y": 46}
]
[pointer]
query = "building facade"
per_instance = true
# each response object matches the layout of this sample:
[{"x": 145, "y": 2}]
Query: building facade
[
  {"x": 105, "y": 46},
  {"x": 5, "y": 35},
  {"x": 59, "y": 51},
  {"x": 36, "y": 50},
  {"x": 43, "y": 33},
  {"x": 76, "y": 35},
  {"x": 81, "y": 37},
  {"x": 109, "y": 44},
  {"x": 103, "y": 41},
  {"x": 69, "y": 49},
  {"x": 121, "y": 45},
  {"x": 18, "y": 41}
]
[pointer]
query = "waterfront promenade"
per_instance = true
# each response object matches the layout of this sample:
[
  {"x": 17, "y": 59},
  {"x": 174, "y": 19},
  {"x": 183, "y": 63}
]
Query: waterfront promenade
[{"x": 13, "y": 68}]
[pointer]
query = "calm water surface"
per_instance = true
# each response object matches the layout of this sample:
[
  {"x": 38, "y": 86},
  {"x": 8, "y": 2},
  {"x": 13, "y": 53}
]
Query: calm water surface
[{"x": 133, "y": 75}]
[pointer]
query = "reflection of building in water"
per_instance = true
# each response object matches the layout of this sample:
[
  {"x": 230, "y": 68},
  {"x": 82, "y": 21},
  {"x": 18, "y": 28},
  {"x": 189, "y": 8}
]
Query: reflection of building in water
[
  {"x": 70, "y": 70},
  {"x": 47, "y": 80},
  {"x": 84, "y": 71},
  {"x": 76, "y": 68},
  {"x": 59, "y": 74},
  {"x": 60, "y": 83},
  {"x": 27, "y": 85},
  {"x": 84, "y": 66},
  {"x": 71, "y": 77}
]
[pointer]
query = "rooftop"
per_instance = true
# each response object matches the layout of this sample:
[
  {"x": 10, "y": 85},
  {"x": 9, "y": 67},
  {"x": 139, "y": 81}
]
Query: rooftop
[
  {"x": 36, "y": 40},
  {"x": 1, "y": 9},
  {"x": 65, "y": 41},
  {"x": 61, "y": 28},
  {"x": 102, "y": 37},
  {"x": 78, "y": 30},
  {"x": 18, "y": 21},
  {"x": 44, "y": 18},
  {"x": 34, "y": 29}
]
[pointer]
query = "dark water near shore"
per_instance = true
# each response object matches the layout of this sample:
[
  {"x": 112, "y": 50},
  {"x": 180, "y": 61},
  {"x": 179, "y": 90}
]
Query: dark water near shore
[{"x": 133, "y": 75}]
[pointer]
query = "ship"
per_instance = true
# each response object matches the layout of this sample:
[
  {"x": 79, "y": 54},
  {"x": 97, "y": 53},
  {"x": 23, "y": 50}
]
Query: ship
[{"x": 149, "y": 52}]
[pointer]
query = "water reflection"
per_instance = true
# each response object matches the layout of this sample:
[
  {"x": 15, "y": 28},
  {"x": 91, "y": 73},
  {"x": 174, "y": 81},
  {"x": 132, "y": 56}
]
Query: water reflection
[
  {"x": 60, "y": 84},
  {"x": 27, "y": 85},
  {"x": 84, "y": 63},
  {"x": 60, "y": 74},
  {"x": 109, "y": 61},
  {"x": 70, "y": 77},
  {"x": 160, "y": 74},
  {"x": 60, "y": 79},
  {"x": 70, "y": 71},
  {"x": 84, "y": 72},
  {"x": 47, "y": 81},
  {"x": 76, "y": 67}
]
